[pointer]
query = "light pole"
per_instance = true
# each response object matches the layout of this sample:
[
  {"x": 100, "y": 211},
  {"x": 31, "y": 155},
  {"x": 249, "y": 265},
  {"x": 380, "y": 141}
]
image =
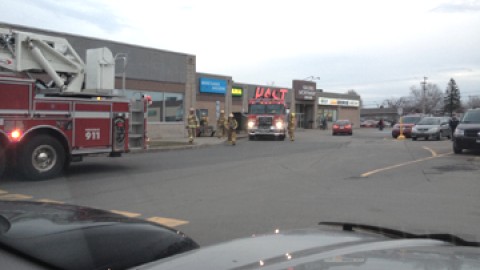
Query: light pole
[{"x": 424, "y": 87}]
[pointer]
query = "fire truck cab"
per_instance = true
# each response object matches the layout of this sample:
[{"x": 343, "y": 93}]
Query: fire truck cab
[
  {"x": 266, "y": 117},
  {"x": 45, "y": 126}
]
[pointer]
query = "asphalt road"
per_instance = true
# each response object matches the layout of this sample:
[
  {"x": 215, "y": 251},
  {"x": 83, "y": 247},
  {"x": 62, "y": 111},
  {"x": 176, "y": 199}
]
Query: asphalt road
[{"x": 224, "y": 192}]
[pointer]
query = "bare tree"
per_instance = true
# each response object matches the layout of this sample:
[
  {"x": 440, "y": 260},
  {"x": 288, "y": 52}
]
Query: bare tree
[
  {"x": 401, "y": 102},
  {"x": 413, "y": 103},
  {"x": 433, "y": 99},
  {"x": 473, "y": 102}
]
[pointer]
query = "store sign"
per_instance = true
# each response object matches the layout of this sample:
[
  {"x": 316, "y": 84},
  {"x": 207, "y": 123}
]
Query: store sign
[
  {"x": 237, "y": 91},
  {"x": 304, "y": 90},
  {"x": 273, "y": 93},
  {"x": 338, "y": 102},
  {"x": 213, "y": 86}
]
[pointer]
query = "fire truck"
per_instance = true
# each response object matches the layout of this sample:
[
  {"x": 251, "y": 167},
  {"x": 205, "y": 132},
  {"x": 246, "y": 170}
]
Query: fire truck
[
  {"x": 266, "y": 117},
  {"x": 44, "y": 126}
]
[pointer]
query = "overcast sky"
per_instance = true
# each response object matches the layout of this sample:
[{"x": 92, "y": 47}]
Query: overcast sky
[{"x": 379, "y": 48}]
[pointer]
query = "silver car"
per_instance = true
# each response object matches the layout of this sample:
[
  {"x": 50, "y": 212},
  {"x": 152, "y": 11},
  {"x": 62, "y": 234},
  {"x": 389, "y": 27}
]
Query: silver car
[{"x": 432, "y": 127}]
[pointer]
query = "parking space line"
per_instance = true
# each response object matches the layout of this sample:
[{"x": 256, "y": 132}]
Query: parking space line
[
  {"x": 49, "y": 201},
  {"x": 170, "y": 222},
  {"x": 434, "y": 154},
  {"x": 14, "y": 197},
  {"x": 403, "y": 164},
  {"x": 125, "y": 213}
]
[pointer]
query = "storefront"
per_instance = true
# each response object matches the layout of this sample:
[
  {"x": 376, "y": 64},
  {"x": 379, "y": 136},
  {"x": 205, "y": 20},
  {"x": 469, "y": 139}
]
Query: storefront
[
  {"x": 334, "y": 106},
  {"x": 312, "y": 105},
  {"x": 305, "y": 93}
]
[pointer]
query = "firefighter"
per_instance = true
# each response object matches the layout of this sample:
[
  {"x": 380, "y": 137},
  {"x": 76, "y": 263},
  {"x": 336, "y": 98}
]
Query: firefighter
[
  {"x": 221, "y": 125},
  {"x": 291, "y": 126},
  {"x": 231, "y": 127},
  {"x": 192, "y": 125},
  {"x": 204, "y": 123}
]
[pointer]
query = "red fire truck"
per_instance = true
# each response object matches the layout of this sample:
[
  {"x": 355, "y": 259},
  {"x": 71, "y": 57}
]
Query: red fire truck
[
  {"x": 266, "y": 117},
  {"x": 45, "y": 126}
]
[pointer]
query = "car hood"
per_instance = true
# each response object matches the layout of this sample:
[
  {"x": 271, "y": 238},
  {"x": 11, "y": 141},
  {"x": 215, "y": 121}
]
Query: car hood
[
  {"x": 325, "y": 248},
  {"x": 73, "y": 237},
  {"x": 464, "y": 125}
]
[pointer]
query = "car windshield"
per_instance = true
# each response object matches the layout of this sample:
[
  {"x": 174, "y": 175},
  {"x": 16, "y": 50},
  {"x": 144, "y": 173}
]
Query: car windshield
[
  {"x": 410, "y": 119},
  {"x": 233, "y": 119},
  {"x": 472, "y": 117},
  {"x": 266, "y": 109},
  {"x": 429, "y": 121}
]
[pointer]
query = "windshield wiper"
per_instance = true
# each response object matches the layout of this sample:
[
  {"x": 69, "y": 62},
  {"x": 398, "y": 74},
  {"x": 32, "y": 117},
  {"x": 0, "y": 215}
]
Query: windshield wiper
[{"x": 397, "y": 234}]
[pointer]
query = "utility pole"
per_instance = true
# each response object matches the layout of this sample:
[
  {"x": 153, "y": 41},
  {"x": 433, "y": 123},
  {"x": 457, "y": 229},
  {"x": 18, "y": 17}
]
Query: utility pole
[{"x": 424, "y": 87}]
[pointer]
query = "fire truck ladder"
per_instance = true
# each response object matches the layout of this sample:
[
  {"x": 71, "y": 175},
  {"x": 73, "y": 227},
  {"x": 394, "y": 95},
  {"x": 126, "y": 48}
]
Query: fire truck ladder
[{"x": 136, "y": 133}]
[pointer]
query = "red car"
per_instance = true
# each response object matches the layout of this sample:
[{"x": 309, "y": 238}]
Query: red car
[
  {"x": 408, "y": 122},
  {"x": 342, "y": 127}
]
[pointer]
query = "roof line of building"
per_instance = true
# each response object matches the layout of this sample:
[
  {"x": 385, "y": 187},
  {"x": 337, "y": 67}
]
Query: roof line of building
[{"x": 57, "y": 33}]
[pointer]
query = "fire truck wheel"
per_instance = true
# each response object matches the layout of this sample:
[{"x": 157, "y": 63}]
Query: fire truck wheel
[{"x": 41, "y": 157}]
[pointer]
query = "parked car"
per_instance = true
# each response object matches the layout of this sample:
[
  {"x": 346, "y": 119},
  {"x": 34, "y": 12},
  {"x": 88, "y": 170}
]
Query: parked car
[
  {"x": 36, "y": 235},
  {"x": 342, "y": 127},
  {"x": 432, "y": 127},
  {"x": 467, "y": 133},
  {"x": 369, "y": 123},
  {"x": 407, "y": 122},
  {"x": 332, "y": 245}
]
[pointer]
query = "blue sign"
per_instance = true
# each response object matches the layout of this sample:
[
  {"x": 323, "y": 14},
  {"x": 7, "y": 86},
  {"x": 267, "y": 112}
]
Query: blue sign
[{"x": 214, "y": 86}]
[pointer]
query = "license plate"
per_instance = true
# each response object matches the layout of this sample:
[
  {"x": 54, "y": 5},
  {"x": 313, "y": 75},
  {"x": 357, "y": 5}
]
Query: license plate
[{"x": 341, "y": 127}]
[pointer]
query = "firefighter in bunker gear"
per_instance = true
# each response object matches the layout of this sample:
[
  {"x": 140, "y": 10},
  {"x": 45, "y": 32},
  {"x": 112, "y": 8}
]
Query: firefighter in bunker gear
[
  {"x": 221, "y": 125},
  {"x": 204, "y": 124},
  {"x": 231, "y": 127},
  {"x": 192, "y": 125},
  {"x": 291, "y": 126}
]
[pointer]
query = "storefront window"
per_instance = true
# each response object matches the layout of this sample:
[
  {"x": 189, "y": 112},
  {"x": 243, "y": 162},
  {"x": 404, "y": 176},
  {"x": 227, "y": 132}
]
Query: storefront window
[
  {"x": 173, "y": 107},
  {"x": 165, "y": 107},
  {"x": 331, "y": 115}
]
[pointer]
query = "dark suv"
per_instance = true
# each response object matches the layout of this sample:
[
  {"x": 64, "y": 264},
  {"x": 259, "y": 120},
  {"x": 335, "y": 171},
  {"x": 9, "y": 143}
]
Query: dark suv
[{"x": 467, "y": 133}]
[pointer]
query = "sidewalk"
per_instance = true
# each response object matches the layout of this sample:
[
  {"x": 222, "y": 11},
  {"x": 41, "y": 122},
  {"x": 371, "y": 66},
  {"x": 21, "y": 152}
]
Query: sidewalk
[{"x": 178, "y": 143}]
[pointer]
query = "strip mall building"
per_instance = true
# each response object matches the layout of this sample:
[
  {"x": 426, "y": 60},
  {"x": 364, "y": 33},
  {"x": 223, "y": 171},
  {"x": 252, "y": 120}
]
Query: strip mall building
[{"x": 172, "y": 80}]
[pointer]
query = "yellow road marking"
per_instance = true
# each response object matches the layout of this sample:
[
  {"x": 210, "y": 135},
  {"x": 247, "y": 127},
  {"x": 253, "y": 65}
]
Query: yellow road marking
[
  {"x": 49, "y": 201},
  {"x": 125, "y": 213},
  {"x": 403, "y": 164},
  {"x": 434, "y": 154},
  {"x": 14, "y": 197},
  {"x": 170, "y": 222}
]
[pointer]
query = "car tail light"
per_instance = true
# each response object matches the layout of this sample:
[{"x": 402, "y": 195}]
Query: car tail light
[
  {"x": 348, "y": 126},
  {"x": 335, "y": 126}
]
